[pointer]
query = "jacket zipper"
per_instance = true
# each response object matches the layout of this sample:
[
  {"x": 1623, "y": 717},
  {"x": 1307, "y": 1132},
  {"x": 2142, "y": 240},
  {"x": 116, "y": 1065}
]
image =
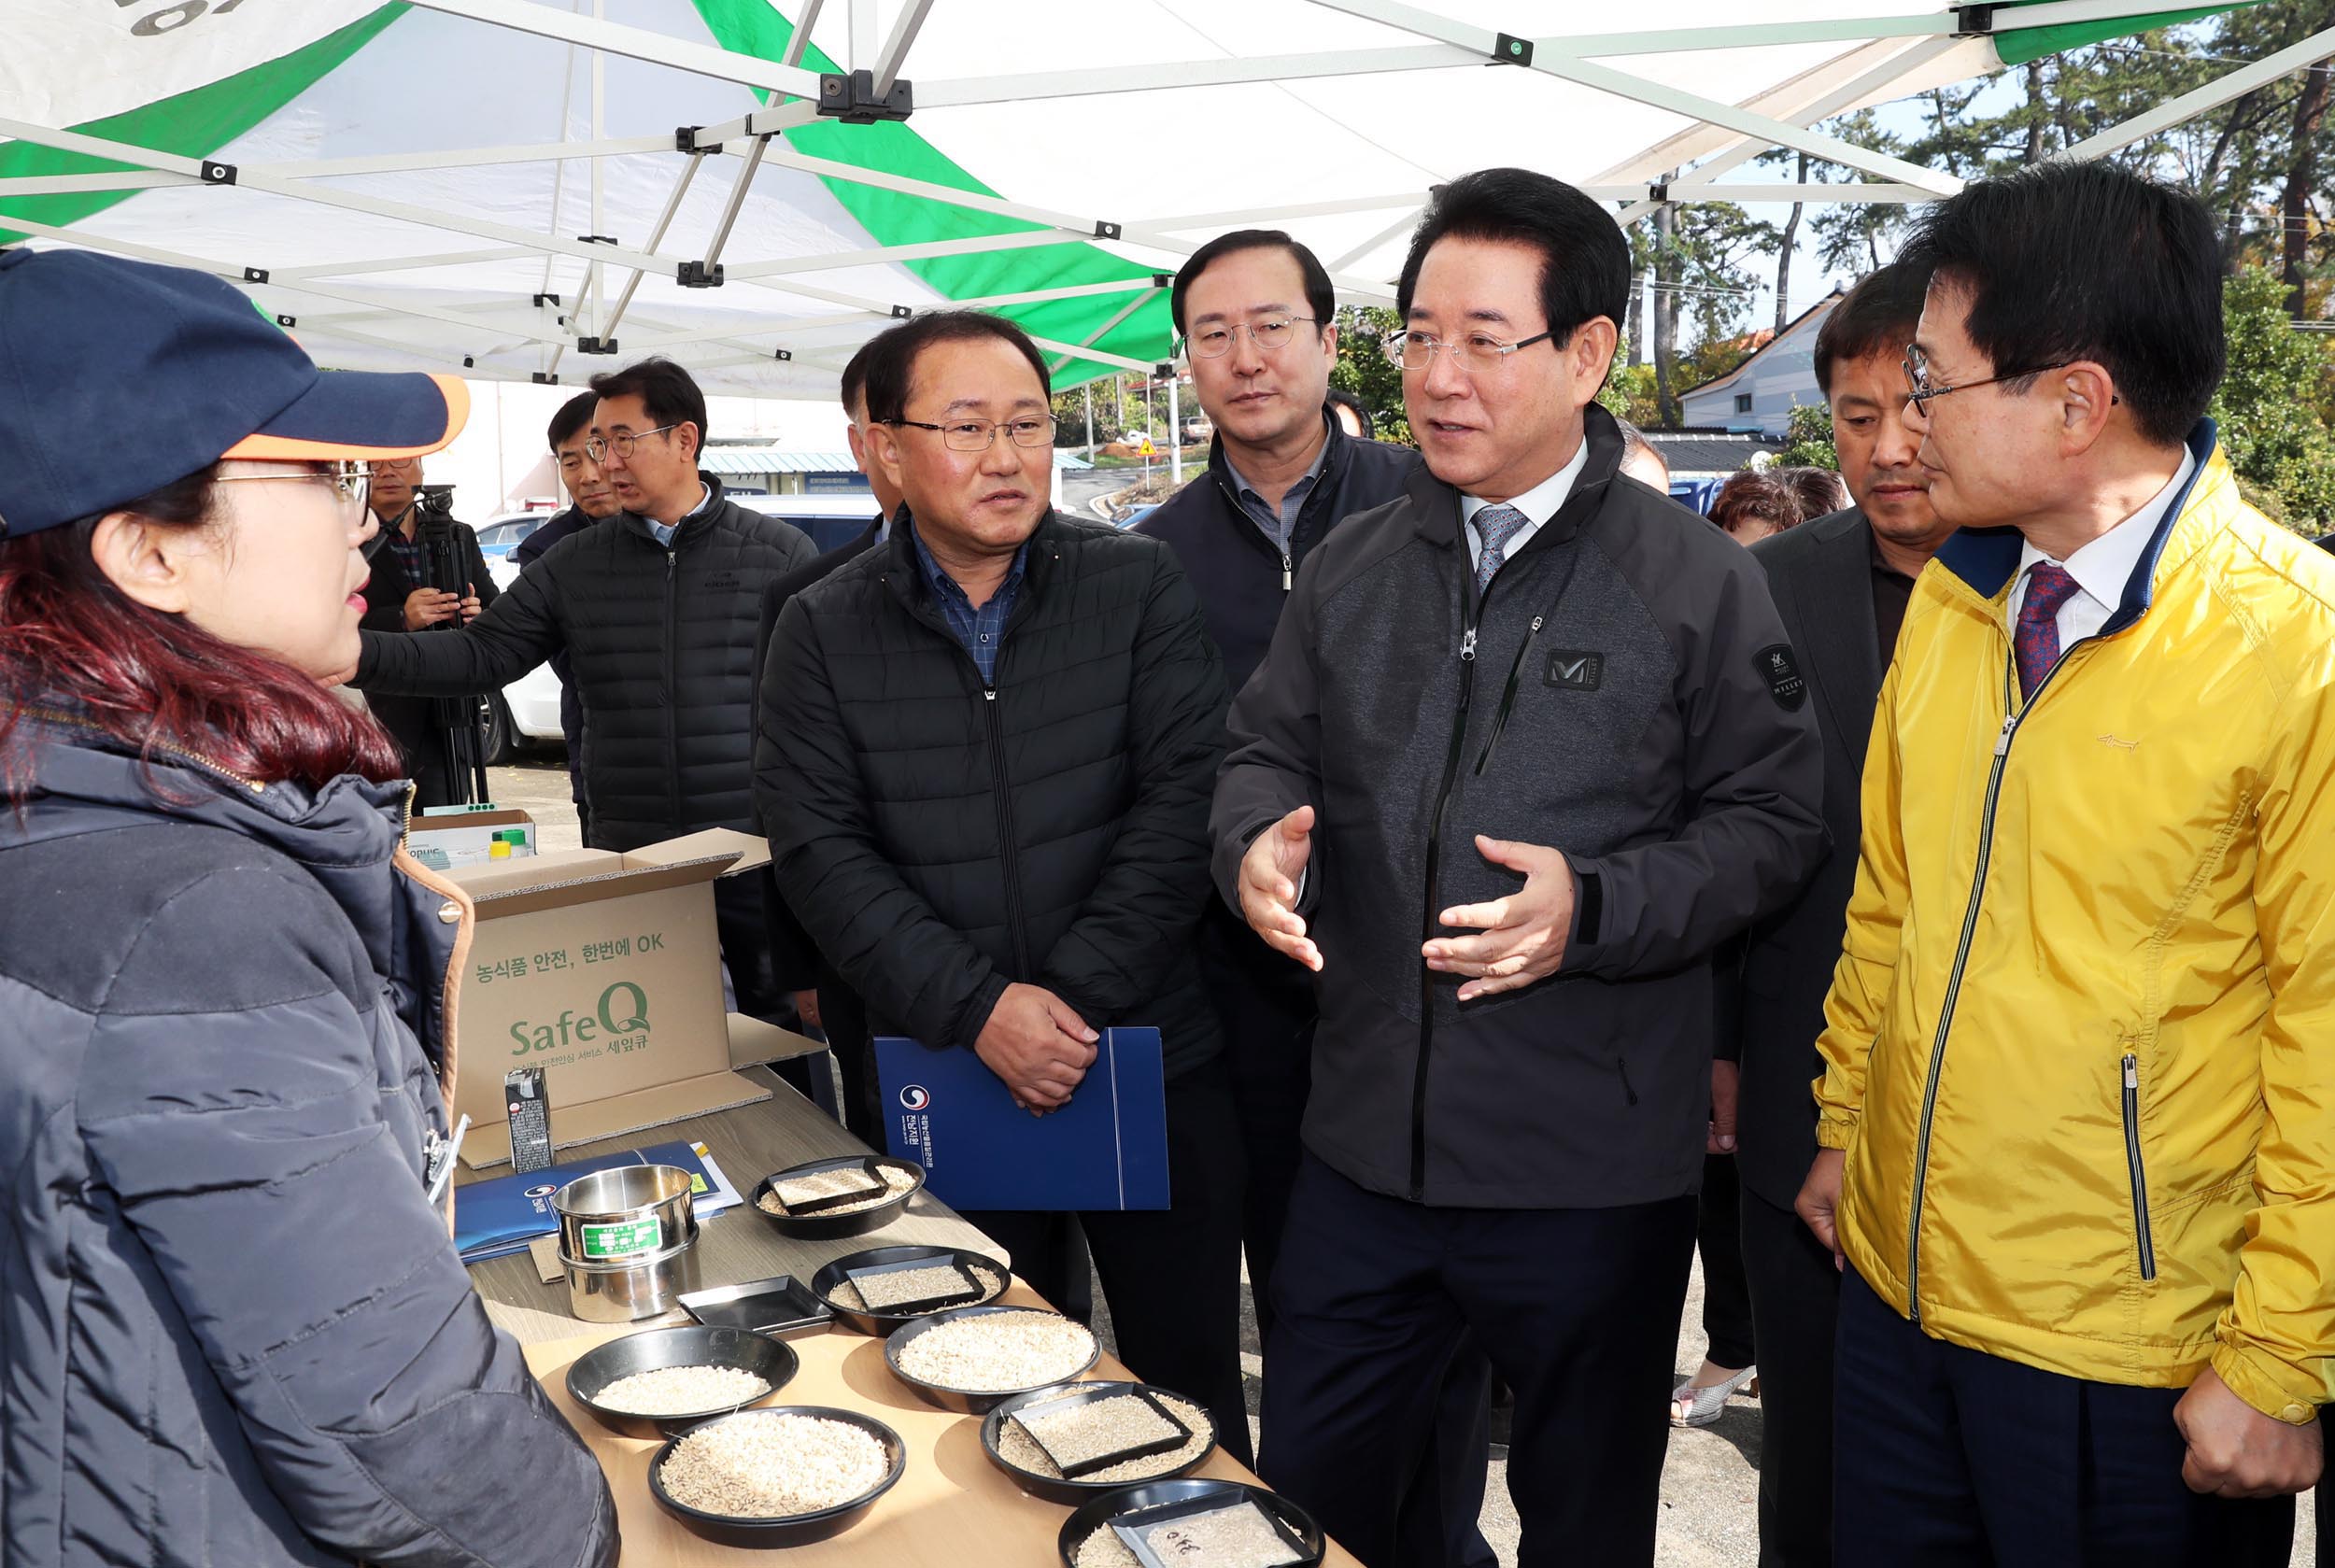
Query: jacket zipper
[
  {"x": 1428, "y": 925},
  {"x": 672, "y": 675},
  {"x": 1009, "y": 852},
  {"x": 2133, "y": 1161},
  {"x": 53, "y": 716},
  {"x": 1288, "y": 550},
  {"x": 2013, "y": 717},
  {"x": 1508, "y": 694}
]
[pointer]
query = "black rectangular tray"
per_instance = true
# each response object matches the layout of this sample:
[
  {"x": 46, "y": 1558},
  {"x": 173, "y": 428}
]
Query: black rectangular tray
[
  {"x": 972, "y": 1293},
  {"x": 780, "y": 1307},
  {"x": 1181, "y": 1433}
]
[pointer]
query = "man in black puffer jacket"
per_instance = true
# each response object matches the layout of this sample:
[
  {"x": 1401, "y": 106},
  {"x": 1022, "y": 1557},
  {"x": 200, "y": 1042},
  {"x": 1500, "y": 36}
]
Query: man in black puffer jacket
[
  {"x": 656, "y": 610},
  {"x": 985, "y": 759}
]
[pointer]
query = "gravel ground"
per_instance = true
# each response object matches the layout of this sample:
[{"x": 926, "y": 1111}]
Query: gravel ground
[{"x": 1710, "y": 1481}]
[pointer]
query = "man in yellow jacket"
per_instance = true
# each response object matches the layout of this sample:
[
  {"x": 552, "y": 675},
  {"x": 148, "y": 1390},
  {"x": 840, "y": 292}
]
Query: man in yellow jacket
[{"x": 2077, "y": 1122}]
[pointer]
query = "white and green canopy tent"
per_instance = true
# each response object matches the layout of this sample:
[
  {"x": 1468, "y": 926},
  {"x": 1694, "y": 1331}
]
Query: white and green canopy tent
[{"x": 515, "y": 188}]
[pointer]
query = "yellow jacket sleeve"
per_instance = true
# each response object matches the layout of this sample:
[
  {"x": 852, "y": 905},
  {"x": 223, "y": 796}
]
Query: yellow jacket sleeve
[
  {"x": 1860, "y": 982},
  {"x": 2277, "y": 1337}
]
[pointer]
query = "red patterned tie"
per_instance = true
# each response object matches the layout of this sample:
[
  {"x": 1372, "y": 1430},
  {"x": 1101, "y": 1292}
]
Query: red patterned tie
[{"x": 2036, "y": 642}]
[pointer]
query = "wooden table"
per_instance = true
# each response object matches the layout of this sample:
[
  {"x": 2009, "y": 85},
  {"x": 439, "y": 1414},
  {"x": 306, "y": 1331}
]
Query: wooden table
[
  {"x": 748, "y": 1142},
  {"x": 953, "y": 1508}
]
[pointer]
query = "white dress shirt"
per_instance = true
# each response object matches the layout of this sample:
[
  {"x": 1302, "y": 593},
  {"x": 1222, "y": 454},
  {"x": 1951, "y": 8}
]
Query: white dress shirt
[
  {"x": 1539, "y": 504},
  {"x": 2101, "y": 567}
]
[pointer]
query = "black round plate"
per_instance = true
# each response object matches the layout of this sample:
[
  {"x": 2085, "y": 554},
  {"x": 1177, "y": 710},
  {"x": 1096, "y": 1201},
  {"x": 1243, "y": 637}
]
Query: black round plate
[
  {"x": 800, "y": 1529},
  {"x": 653, "y": 1350},
  {"x": 1099, "y": 1513},
  {"x": 1055, "y": 1488},
  {"x": 963, "y": 1401},
  {"x": 881, "y": 1323},
  {"x": 834, "y": 1227}
]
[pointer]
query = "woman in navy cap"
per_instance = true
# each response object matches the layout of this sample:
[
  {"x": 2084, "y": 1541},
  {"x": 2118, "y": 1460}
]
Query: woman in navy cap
[{"x": 232, "y": 1326}]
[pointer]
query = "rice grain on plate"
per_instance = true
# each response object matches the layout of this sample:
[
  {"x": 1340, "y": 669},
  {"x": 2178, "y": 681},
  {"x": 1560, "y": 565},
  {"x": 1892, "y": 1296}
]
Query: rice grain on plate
[
  {"x": 1238, "y": 1535},
  {"x": 895, "y": 1182},
  {"x": 846, "y": 1294},
  {"x": 1017, "y": 1448},
  {"x": 998, "y": 1352},
  {"x": 680, "y": 1390},
  {"x": 1104, "y": 1550},
  {"x": 768, "y": 1465}
]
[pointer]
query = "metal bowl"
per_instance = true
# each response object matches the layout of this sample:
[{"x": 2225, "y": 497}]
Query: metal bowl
[
  {"x": 881, "y": 1323},
  {"x": 653, "y": 1350},
  {"x": 967, "y": 1402},
  {"x": 793, "y": 1530},
  {"x": 1055, "y": 1488},
  {"x": 833, "y": 1227}
]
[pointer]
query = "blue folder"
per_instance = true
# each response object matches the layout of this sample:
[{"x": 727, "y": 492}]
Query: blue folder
[{"x": 1106, "y": 1150}]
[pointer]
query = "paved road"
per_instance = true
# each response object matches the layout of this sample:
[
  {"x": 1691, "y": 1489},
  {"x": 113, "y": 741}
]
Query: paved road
[{"x": 1710, "y": 1482}]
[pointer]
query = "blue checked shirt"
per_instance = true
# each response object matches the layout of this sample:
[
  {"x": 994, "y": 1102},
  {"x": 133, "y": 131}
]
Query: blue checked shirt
[{"x": 980, "y": 631}]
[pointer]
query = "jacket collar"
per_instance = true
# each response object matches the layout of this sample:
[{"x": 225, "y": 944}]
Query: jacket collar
[
  {"x": 905, "y": 574},
  {"x": 1436, "y": 505},
  {"x": 1984, "y": 560},
  {"x": 694, "y": 523},
  {"x": 1334, "y": 456}
]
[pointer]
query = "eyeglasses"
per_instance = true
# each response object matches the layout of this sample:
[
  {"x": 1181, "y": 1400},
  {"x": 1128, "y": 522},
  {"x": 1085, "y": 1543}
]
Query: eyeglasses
[
  {"x": 978, "y": 435},
  {"x": 393, "y": 465},
  {"x": 1920, "y": 389},
  {"x": 623, "y": 441},
  {"x": 351, "y": 481},
  {"x": 1269, "y": 335},
  {"x": 1476, "y": 350}
]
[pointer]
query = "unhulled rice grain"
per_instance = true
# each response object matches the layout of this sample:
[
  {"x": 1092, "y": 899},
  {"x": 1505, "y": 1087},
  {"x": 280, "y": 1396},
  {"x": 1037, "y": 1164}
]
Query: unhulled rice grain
[
  {"x": 847, "y": 1295},
  {"x": 1020, "y": 1450},
  {"x": 762, "y": 1465},
  {"x": 998, "y": 1352},
  {"x": 680, "y": 1390}
]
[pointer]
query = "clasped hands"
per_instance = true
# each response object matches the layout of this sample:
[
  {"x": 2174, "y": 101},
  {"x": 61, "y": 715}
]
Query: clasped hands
[{"x": 1521, "y": 938}]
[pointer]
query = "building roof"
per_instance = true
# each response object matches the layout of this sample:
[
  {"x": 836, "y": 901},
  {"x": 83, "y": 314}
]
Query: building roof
[
  {"x": 1822, "y": 309},
  {"x": 1692, "y": 452}
]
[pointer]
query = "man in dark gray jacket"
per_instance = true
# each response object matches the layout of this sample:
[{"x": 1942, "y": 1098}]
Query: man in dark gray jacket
[
  {"x": 1841, "y": 584},
  {"x": 1555, "y": 748},
  {"x": 655, "y": 608}
]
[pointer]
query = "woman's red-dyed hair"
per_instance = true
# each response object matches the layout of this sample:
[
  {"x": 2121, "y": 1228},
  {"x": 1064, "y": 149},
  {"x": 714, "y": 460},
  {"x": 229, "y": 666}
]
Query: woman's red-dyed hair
[{"x": 71, "y": 639}]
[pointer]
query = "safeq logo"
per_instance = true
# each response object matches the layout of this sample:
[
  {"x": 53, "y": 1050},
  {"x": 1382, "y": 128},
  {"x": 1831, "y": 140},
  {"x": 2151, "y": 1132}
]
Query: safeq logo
[
  {"x": 623, "y": 1013},
  {"x": 914, "y": 1098}
]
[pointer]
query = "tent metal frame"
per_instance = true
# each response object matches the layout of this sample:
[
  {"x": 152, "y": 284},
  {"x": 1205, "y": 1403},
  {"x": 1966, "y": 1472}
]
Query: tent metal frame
[{"x": 1780, "y": 117}]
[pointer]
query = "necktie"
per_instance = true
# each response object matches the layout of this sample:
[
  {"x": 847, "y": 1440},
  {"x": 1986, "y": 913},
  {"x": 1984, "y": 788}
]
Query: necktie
[
  {"x": 2037, "y": 642},
  {"x": 1494, "y": 526}
]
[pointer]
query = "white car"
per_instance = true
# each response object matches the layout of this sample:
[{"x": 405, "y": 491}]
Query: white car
[{"x": 528, "y": 710}]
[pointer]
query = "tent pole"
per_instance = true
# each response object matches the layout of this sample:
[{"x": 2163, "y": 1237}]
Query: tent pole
[
  {"x": 1089, "y": 390},
  {"x": 601, "y": 328},
  {"x": 1175, "y": 429},
  {"x": 2212, "y": 94},
  {"x": 904, "y": 30},
  {"x": 664, "y": 221},
  {"x": 635, "y": 43},
  {"x": 801, "y": 37}
]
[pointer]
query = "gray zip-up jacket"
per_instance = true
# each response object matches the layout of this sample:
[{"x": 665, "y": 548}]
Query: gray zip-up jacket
[{"x": 1624, "y": 693}]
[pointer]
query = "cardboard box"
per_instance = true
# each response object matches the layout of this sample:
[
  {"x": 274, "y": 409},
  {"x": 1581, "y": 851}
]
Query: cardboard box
[
  {"x": 461, "y": 837},
  {"x": 605, "y": 971}
]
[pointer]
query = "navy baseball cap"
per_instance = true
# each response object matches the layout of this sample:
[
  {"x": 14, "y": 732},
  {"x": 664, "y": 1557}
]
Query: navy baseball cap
[{"x": 119, "y": 377}]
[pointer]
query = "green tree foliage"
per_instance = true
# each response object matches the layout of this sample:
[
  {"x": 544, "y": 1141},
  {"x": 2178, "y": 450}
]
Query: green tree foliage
[
  {"x": 2271, "y": 405},
  {"x": 1808, "y": 439},
  {"x": 1364, "y": 370}
]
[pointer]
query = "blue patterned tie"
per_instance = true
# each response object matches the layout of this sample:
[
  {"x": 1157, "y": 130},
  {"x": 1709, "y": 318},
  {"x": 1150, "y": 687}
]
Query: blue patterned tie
[
  {"x": 1494, "y": 526},
  {"x": 2037, "y": 642}
]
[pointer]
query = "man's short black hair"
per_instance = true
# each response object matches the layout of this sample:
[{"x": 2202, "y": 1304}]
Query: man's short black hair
[
  {"x": 668, "y": 393},
  {"x": 892, "y": 363},
  {"x": 856, "y": 369},
  {"x": 2067, "y": 262},
  {"x": 575, "y": 415},
  {"x": 1340, "y": 398},
  {"x": 1877, "y": 317},
  {"x": 1584, "y": 261},
  {"x": 1320, "y": 297}
]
